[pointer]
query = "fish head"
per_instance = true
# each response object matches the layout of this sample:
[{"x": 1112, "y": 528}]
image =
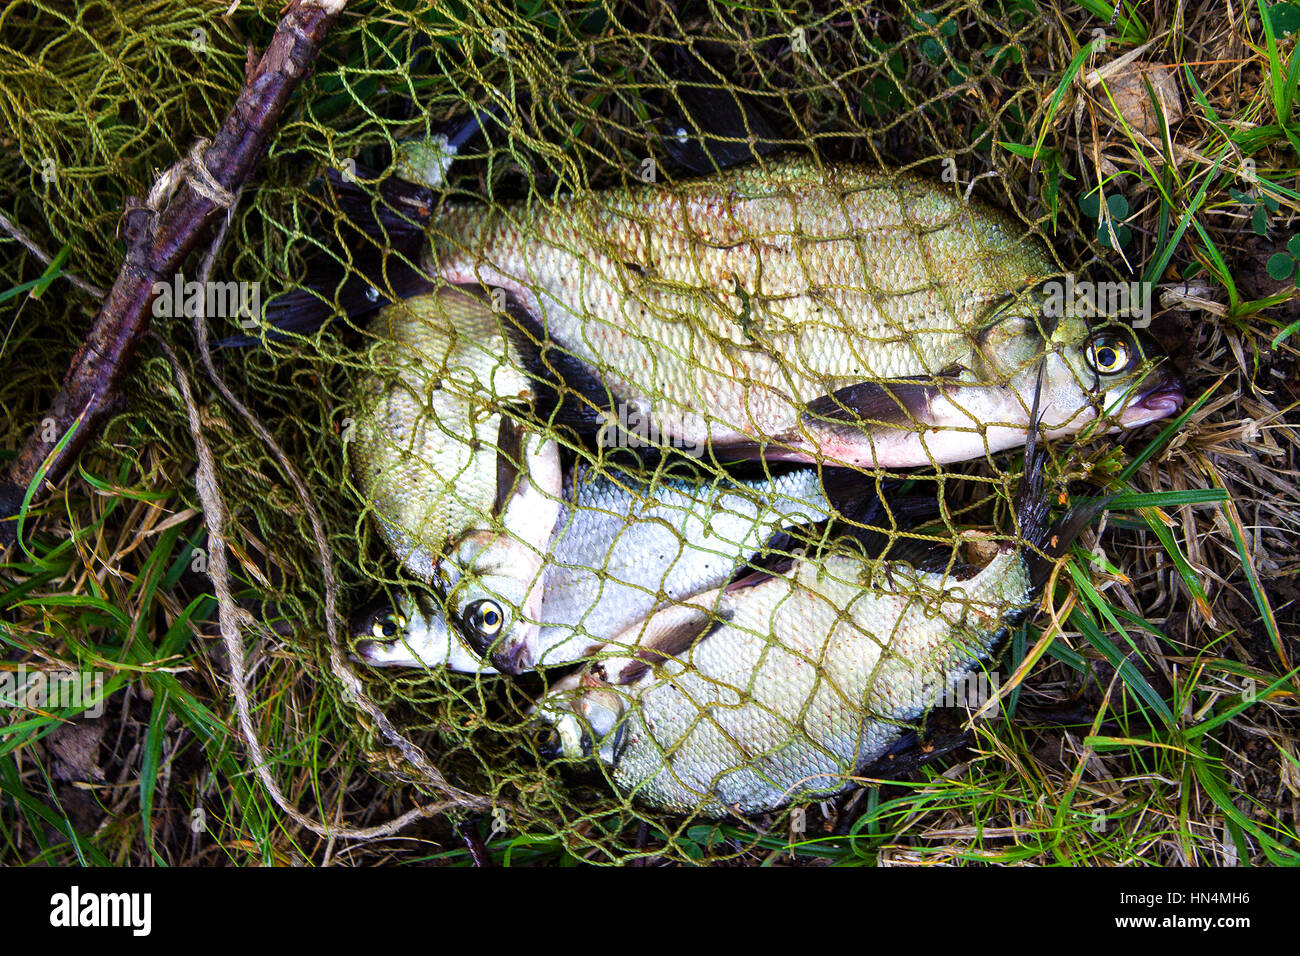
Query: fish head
[
  {"x": 585, "y": 721},
  {"x": 1119, "y": 374},
  {"x": 411, "y": 632},
  {"x": 1093, "y": 368},
  {"x": 488, "y": 610},
  {"x": 494, "y": 602}
]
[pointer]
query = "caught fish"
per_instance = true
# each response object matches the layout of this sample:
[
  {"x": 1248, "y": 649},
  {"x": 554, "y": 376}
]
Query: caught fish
[
  {"x": 780, "y": 687},
  {"x": 799, "y": 310},
  {"x": 429, "y": 433},
  {"x": 620, "y": 547}
]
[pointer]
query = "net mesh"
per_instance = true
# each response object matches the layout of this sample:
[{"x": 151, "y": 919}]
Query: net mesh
[{"x": 583, "y": 98}]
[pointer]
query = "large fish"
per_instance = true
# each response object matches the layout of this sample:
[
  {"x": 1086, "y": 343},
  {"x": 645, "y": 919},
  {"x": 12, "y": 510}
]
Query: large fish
[
  {"x": 799, "y": 310},
  {"x": 780, "y": 687},
  {"x": 620, "y": 547}
]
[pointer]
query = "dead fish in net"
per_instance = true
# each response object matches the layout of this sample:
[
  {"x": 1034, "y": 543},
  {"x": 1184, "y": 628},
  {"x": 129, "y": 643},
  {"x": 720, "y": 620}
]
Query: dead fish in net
[
  {"x": 799, "y": 310},
  {"x": 780, "y": 687},
  {"x": 620, "y": 547},
  {"x": 431, "y": 442},
  {"x": 469, "y": 500}
]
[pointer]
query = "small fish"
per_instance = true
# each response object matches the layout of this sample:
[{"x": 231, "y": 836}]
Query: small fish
[
  {"x": 780, "y": 687},
  {"x": 620, "y": 546},
  {"x": 799, "y": 310}
]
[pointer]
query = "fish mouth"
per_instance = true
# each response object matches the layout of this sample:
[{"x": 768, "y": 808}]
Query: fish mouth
[
  {"x": 382, "y": 654},
  {"x": 1160, "y": 402},
  {"x": 367, "y": 651},
  {"x": 508, "y": 657},
  {"x": 512, "y": 660}
]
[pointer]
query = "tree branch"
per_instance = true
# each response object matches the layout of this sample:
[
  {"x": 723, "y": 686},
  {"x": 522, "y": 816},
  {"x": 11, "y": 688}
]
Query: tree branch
[{"x": 185, "y": 201}]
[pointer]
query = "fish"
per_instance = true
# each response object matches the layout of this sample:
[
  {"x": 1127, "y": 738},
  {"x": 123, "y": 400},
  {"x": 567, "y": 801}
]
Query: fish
[
  {"x": 443, "y": 456},
  {"x": 433, "y": 443},
  {"x": 621, "y": 545},
  {"x": 780, "y": 687},
  {"x": 799, "y": 310}
]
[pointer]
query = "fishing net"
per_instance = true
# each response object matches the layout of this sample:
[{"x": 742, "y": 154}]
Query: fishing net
[{"x": 98, "y": 98}]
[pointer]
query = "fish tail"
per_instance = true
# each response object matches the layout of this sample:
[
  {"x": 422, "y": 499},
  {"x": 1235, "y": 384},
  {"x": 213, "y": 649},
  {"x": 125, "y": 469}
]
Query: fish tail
[
  {"x": 851, "y": 494},
  {"x": 361, "y": 274}
]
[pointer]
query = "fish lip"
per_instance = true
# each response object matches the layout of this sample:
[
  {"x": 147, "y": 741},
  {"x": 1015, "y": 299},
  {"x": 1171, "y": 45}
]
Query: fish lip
[
  {"x": 511, "y": 660},
  {"x": 1161, "y": 402},
  {"x": 372, "y": 652},
  {"x": 504, "y": 659}
]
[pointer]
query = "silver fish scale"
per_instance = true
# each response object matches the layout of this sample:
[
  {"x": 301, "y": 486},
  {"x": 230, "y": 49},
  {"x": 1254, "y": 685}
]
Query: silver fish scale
[
  {"x": 811, "y": 679},
  {"x": 746, "y": 295},
  {"x": 623, "y": 548}
]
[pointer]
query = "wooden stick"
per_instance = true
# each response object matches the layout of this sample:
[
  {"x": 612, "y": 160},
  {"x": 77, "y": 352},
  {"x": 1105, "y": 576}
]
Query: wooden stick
[{"x": 182, "y": 205}]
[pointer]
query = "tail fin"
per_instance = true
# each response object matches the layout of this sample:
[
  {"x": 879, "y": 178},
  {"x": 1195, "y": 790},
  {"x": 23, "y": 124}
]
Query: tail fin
[
  {"x": 370, "y": 275},
  {"x": 851, "y": 494},
  {"x": 1044, "y": 542},
  {"x": 393, "y": 221}
]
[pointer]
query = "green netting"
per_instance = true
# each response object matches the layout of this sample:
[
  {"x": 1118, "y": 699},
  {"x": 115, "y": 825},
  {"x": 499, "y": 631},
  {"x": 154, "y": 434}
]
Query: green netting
[{"x": 586, "y": 97}]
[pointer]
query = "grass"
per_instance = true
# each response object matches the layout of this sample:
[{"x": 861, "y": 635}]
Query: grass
[{"x": 1150, "y": 718}]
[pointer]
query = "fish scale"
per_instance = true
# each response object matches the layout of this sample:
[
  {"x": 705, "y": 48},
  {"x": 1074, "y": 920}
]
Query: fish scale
[
  {"x": 427, "y": 423},
  {"x": 813, "y": 675},
  {"x": 624, "y": 547},
  {"x": 841, "y": 265}
]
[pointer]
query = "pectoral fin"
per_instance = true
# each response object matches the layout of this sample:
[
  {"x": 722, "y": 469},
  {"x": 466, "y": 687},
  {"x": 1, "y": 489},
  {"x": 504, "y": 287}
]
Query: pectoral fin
[
  {"x": 668, "y": 633},
  {"x": 569, "y": 391},
  {"x": 894, "y": 403}
]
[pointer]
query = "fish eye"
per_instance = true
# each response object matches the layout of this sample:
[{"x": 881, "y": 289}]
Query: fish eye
[
  {"x": 1109, "y": 354},
  {"x": 485, "y": 617},
  {"x": 387, "y": 625}
]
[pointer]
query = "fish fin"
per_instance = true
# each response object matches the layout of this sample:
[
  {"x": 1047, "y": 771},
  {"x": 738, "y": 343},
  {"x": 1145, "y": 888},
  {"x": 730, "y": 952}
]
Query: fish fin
[
  {"x": 851, "y": 494},
  {"x": 1046, "y": 541},
  {"x": 372, "y": 283},
  {"x": 759, "y": 571},
  {"x": 397, "y": 217},
  {"x": 898, "y": 402},
  {"x": 510, "y": 457},
  {"x": 722, "y": 128},
  {"x": 778, "y": 450},
  {"x": 369, "y": 275},
  {"x": 871, "y": 522},
  {"x": 775, "y": 558},
  {"x": 569, "y": 391},
  {"x": 931, "y": 556},
  {"x": 919, "y": 746},
  {"x": 1060, "y": 535},
  {"x": 695, "y": 624}
]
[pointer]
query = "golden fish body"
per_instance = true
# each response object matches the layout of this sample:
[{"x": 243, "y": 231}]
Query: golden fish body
[
  {"x": 737, "y": 305},
  {"x": 426, "y": 436}
]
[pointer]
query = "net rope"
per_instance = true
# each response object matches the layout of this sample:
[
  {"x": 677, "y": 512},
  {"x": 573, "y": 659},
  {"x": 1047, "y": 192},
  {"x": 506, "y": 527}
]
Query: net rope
[{"x": 587, "y": 97}]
